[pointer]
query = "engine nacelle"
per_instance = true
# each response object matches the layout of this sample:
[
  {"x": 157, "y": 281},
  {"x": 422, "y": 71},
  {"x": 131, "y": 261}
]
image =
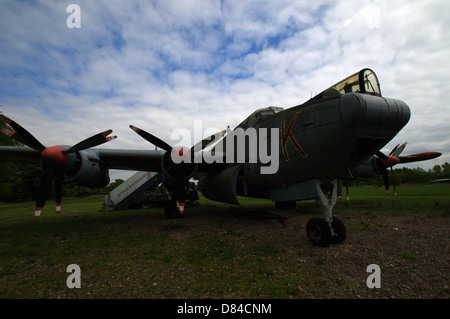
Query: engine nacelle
[
  {"x": 370, "y": 168},
  {"x": 172, "y": 163},
  {"x": 222, "y": 186},
  {"x": 84, "y": 168}
]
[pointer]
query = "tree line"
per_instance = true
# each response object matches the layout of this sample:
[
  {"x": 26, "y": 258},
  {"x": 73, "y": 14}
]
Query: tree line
[{"x": 405, "y": 175}]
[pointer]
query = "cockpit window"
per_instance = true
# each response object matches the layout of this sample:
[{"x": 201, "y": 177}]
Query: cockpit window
[
  {"x": 348, "y": 85},
  {"x": 365, "y": 81},
  {"x": 256, "y": 116},
  {"x": 370, "y": 82},
  {"x": 268, "y": 111}
]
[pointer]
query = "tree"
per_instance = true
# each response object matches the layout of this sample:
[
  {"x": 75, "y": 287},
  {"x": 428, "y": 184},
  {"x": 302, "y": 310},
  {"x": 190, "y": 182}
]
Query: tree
[
  {"x": 437, "y": 169},
  {"x": 113, "y": 185},
  {"x": 446, "y": 170},
  {"x": 18, "y": 181}
]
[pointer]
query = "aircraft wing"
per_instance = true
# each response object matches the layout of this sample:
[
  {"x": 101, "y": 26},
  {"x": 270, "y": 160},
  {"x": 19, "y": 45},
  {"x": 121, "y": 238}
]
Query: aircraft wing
[
  {"x": 121, "y": 159},
  {"x": 136, "y": 160},
  {"x": 19, "y": 154}
]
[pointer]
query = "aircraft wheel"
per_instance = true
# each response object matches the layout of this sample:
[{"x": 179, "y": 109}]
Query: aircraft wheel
[
  {"x": 339, "y": 230},
  {"x": 318, "y": 231}
]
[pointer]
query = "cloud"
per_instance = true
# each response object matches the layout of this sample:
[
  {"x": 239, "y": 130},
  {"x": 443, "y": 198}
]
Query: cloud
[{"x": 164, "y": 64}]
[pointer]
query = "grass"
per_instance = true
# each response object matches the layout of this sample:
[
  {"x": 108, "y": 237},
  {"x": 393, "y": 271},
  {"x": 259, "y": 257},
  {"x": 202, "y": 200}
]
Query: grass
[
  {"x": 217, "y": 251},
  {"x": 409, "y": 256},
  {"x": 410, "y": 198}
]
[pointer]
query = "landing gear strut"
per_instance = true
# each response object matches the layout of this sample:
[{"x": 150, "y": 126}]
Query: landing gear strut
[{"x": 327, "y": 230}]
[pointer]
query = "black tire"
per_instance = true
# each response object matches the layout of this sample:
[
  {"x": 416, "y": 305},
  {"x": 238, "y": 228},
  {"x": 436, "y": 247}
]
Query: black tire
[
  {"x": 339, "y": 229},
  {"x": 318, "y": 231}
]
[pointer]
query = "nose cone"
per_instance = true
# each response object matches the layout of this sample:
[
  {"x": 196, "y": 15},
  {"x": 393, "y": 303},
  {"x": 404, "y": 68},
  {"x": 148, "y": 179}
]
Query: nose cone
[
  {"x": 53, "y": 155},
  {"x": 373, "y": 111}
]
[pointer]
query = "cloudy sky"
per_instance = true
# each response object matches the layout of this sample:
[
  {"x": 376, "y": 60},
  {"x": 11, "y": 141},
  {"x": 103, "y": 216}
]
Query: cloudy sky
[{"x": 160, "y": 65}]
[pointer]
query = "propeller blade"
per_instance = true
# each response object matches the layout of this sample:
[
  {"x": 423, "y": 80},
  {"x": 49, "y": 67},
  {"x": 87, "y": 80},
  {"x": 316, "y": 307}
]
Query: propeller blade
[
  {"x": 395, "y": 190},
  {"x": 92, "y": 141},
  {"x": 179, "y": 191},
  {"x": 25, "y": 136},
  {"x": 381, "y": 155},
  {"x": 346, "y": 188},
  {"x": 394, "y": 149},
  {"x": 207, "y": 141},
  {"x": 58, "y": 190},
  {"x": 152, "y": 139},
  {"x": 13, "y": 135},
  {"x": 43, "y": 194},
  {"x": 180, "y": 207},
  {"x": 398, "y": 149},
  {"x": 386, "y": 181},
  {"x": 418, "y": 157},
  {"x": 384, "y": 163}
]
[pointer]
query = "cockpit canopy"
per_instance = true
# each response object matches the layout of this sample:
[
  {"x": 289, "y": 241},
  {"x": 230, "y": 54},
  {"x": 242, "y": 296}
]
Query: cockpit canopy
[
  {"x": 364, "y": 81},
  {"x": 259, "y": 114}
]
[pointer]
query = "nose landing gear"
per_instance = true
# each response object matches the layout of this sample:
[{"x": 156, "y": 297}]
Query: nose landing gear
[{"x": 327, "y": 230}]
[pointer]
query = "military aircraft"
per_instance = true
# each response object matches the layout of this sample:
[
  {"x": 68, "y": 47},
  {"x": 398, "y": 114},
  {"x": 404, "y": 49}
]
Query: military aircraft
[{"x": 336, "y": 135}]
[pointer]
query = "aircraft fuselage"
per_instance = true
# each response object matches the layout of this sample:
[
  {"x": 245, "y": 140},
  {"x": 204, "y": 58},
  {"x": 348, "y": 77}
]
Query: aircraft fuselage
[{"x": 323, "y": 140}]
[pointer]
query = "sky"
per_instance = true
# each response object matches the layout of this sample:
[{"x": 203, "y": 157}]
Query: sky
[{"x": 162, "y": 65}]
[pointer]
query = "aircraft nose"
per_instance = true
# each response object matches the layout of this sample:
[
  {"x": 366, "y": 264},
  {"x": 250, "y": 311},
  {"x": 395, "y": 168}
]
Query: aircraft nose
[{"x": 373, "y": 111}]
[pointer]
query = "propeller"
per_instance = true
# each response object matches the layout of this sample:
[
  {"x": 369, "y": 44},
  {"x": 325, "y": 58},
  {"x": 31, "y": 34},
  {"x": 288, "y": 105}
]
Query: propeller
[
  {"x": 386, "y": 161},
  {"x": 394, "y": 158},
  {"x": 389, "y": 161},
  {"x": 396, "y": 152},
  {"x": 180, "y": 160},
  {"x": 54, "y": 159}
]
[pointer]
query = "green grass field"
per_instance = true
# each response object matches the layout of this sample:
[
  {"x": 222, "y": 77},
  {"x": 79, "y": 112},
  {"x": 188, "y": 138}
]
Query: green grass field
[{"x": 225, "y": 251}]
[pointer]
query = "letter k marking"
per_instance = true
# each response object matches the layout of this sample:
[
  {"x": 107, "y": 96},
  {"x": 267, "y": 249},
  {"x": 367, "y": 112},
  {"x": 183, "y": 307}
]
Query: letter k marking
[{"x": 288, "y": 135}]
